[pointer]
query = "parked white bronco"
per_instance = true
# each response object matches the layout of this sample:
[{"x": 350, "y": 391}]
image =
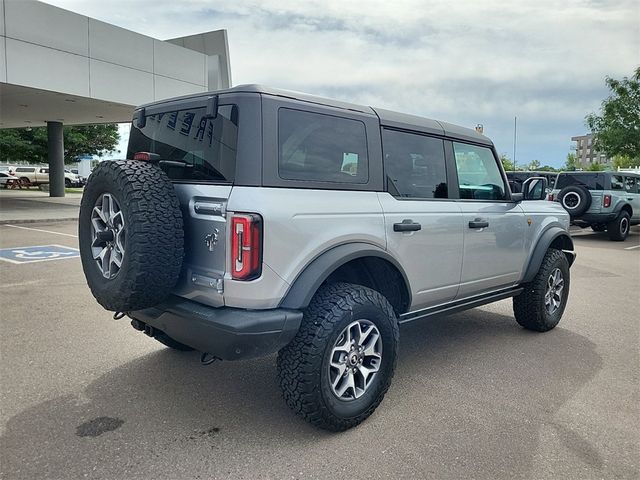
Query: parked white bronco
[{"x": 251, "y": 221}]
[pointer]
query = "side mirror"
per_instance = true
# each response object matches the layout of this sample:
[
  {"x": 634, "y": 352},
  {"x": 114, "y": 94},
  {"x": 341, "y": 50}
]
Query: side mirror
[{"x": 535, "y": 188}]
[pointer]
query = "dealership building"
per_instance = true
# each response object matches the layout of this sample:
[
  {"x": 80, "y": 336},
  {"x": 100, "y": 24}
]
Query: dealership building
[{"x": 61, "y": 68}]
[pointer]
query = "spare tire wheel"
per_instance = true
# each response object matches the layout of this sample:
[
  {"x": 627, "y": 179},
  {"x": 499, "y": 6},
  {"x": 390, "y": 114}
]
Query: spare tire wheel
[
  {"x": 131, "y": 235},
  {"x": 575, "y": 199}
]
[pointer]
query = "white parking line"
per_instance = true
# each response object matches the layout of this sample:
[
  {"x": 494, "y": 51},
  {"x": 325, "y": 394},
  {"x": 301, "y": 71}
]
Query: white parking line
[
  {"x": 631, "y": 248},
  {"x": 44, "y": 231}
]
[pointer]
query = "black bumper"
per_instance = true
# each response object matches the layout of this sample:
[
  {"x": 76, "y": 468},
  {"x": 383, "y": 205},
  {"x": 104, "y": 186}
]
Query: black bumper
[{"x": 224, "y": 332}]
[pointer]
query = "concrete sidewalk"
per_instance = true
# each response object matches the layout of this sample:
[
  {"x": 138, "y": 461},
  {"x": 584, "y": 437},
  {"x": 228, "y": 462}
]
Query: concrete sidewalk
[{"x": 23, "y": 206}]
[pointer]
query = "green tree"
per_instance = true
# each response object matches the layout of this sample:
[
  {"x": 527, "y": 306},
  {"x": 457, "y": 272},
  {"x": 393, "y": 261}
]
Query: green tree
[
  {"x": 30, "y": 145},
  {"x": 617, "y": 129},
  {"x": 507, "y": 164},
  {"x": 596, "y": 167},
  {"x": 625, "y": 161},
  {"x": 546, "y": 168},
  {"x": 533, "y": 165},
  {"x": 571, "y": 163}
]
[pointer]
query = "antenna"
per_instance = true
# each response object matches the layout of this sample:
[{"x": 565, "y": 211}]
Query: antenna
[{"x": 515, "y": 139}]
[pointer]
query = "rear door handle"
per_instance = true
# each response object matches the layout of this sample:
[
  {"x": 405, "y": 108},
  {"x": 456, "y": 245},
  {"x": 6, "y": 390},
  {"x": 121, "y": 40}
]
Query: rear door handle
[
  {"x": 407, "y": 225},
  {"x": 478, "y": 223}
]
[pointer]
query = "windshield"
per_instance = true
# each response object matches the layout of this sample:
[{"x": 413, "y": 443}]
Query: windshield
[
  {"x": 591, "y": 181},
  {"x": 189, "y": 146}
]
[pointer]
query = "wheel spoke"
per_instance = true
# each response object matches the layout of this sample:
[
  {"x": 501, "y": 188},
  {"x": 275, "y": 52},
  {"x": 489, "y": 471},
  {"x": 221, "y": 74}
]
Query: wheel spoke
[
  {"x": 347, "y": 383},
  {"x": 100, "y": 213}
]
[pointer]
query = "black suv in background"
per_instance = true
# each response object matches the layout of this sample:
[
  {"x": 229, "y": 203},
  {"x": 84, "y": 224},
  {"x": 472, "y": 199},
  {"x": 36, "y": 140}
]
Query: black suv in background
[{"x": 516, "y": 179}]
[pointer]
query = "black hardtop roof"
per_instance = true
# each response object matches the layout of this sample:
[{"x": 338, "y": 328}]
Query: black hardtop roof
[{"x": 387, "y": 117}]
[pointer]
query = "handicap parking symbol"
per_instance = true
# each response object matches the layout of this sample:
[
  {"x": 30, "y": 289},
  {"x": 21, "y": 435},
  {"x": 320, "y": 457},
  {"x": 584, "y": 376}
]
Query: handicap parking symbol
[{"x": 37, "y": 253}]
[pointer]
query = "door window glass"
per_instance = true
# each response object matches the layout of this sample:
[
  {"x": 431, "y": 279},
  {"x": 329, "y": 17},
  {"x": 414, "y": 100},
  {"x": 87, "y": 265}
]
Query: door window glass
[
  {"x": 414, "y": 165},
  {"x": 324, "y": 148},
  {"x": 631, "y": 184},
  {"x": 616, "y": 182},
  {"x": 479, "y": 177}
]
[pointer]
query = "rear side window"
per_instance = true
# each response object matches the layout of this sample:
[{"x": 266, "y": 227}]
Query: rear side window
[
  {"x": 414, "y": 165},
  {"x": 631, "y": 184},
  {"x": 25, "y": 169},
  {"x": 617, "y": 182},
  {"x": 190, "y": 146},
  {"x": 323, "y": 148},
  {"x": 479, "y": 177},
  {"x": 591, "y": 181}
]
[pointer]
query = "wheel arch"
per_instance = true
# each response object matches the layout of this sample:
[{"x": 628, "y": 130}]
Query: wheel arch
[
  {"x": 553, "y": 237},
  {"x": 359, "y": 263},
  {"x": 625, "y": 207}
]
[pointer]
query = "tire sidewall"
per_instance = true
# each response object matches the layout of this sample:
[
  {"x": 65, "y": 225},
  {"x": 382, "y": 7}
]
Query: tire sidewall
[{"x": 346, "y": 409}]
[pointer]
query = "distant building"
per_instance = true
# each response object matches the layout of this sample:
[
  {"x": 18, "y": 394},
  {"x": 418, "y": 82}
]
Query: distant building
[{"x": 585, "y": 154}]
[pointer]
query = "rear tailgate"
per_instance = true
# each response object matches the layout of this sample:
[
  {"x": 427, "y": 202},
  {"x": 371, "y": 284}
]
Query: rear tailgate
[{"x": 205, "y": 228}]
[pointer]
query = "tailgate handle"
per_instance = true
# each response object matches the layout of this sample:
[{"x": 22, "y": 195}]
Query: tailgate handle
[{"x": 208, "y": 208}]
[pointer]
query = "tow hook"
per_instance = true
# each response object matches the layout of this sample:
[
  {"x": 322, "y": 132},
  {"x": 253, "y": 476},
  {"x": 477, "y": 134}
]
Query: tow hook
[
  {"x": 207, "y": 359},
  {"x": 119, "y": 315}
]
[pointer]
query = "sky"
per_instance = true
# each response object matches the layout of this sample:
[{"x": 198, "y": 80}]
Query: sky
[{"x": 461, "y": 61}]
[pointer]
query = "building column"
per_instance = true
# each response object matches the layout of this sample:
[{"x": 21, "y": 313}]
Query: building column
[{"x": 55, "y": 144}]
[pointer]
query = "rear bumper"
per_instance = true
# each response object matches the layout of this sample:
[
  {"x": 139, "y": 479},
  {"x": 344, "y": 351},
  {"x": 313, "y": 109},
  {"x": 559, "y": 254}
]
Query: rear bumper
[{"x": 226, "y": 333}]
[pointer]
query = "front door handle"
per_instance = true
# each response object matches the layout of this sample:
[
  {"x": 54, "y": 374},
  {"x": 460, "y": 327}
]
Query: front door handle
[
  {"x": 478, "y": 223},
  {"x": 407, "y": 225}
]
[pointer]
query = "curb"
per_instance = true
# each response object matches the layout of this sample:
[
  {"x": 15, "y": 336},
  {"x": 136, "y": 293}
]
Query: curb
[{"x": 37, "y": 220}]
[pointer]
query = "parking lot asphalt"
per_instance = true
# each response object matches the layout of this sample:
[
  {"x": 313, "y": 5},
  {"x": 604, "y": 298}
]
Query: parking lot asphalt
[{"x": 474, "y": 395}]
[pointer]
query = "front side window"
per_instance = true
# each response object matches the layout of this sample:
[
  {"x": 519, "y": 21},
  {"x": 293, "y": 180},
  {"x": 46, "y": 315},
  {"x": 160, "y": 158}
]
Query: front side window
[
  {"x": 479, "y": 177},
  {"x": 191, "y": 146},
  {"x": 322, "y": 148},
  {"x": 414, "y": 165},
  {"x": 631, "y": 184}
]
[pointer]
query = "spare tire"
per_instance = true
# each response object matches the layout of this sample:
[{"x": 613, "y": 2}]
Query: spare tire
[
  {"x": 575, "y": 199},
  {"x": 131, "y": 235}
]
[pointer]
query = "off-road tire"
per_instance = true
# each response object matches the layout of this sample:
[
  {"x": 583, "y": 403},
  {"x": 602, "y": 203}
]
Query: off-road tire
[
  {"x": 154, "y": 243},
  {"x": 302, "y": 364},
  {"x": 529, "y": 307},
  {"x": 575, "y": 193},
  {"x": 618, "y": 229}
]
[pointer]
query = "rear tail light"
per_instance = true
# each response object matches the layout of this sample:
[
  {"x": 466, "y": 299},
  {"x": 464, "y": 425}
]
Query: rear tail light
[
  {"x": 246, "y": 246},
  {"x": 550, "y": 197},
  {"x": 606, "y": 201},
  {"x": 146, "y": 157}
]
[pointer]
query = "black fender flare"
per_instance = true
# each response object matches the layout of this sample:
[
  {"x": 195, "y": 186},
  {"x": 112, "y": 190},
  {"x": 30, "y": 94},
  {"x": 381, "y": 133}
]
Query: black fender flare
[
  {"x": 548, "y": 237},
  {"x": 618, "y": 208},
  {"x": 309, "y": 280}
]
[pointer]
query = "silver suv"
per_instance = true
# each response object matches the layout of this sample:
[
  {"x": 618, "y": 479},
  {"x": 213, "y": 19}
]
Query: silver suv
[
  {"x": 601, "y": 200},
  {"x": 251, "y": 221}
]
